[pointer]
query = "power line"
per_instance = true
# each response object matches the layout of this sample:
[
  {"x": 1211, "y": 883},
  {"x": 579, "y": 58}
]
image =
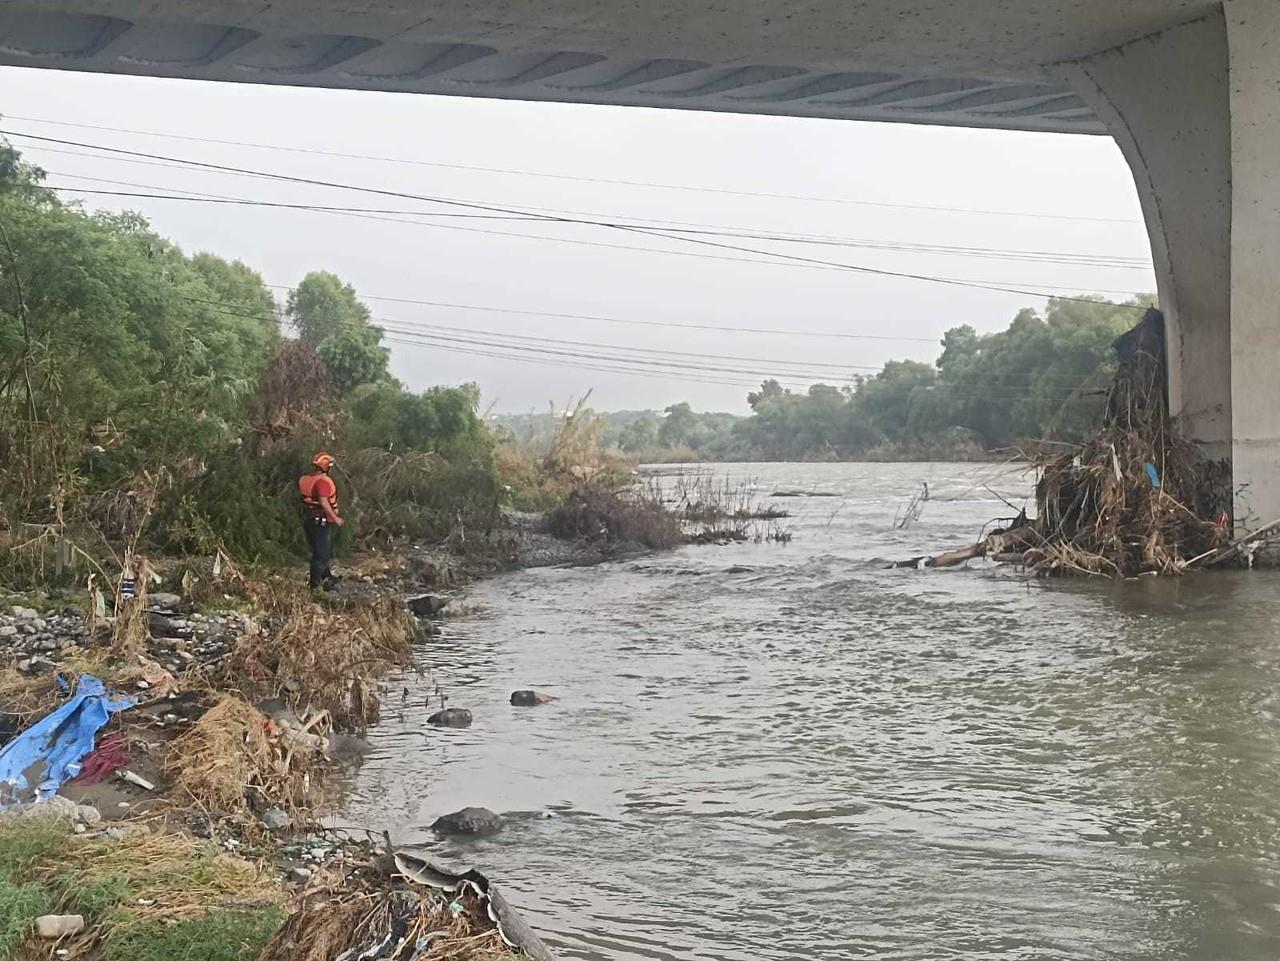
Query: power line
[
  {"x": 641, "y": 323},
  {"x": 814, "y": 265},
  {"x": 494, "y": 208},
  {"x": 1063, "y": 258},
  {"x": 660, "y": 367},
  {"x": 579, "y": 179}
]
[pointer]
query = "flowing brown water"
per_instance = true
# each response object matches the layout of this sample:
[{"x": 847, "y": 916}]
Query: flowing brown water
[{"x": 822, "y": 759}]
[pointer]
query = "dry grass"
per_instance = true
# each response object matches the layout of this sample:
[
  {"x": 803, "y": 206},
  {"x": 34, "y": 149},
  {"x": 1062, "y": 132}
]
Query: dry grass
[
  {"x": 322, "y": 656},
  {"x": 30, "y": 696},
  {"x": 138, "y": 891},
  {"x": 230, "y": 762}
]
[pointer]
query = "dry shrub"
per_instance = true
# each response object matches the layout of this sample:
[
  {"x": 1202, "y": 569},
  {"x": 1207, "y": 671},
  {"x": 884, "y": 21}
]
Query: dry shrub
[
  {"x": 325, "y": 657},
  {"x": 294, "y": 387},
  {"x": 597, "y": 513},
  {"x": 229, "y": 760}
]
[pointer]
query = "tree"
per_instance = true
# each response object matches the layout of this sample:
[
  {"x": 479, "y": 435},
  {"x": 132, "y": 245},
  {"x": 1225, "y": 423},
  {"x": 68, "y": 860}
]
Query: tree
[
  {"x": 639, "y": 436},
  {"x": 679, "y": 427},
  {"x": 354, "y": 356},
  {"x": 328, "y": 315},
  {"x": 322, "y": 306}
]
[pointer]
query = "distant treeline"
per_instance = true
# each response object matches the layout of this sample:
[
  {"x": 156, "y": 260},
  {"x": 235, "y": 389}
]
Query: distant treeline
[{"x": 1041, "y": 378}]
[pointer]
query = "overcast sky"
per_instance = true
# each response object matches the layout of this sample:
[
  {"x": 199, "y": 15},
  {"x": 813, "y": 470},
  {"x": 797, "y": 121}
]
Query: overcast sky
[{"x": 839, "y": 179}]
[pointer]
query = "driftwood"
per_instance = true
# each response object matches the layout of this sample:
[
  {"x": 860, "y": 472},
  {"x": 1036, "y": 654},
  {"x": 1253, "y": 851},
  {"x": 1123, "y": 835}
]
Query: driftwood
[
  {"x": 1235, "y": 547},
  {"x": 996, "y": 546}
]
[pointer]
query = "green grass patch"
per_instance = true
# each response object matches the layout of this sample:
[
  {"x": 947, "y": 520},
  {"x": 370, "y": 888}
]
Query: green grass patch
[
  {"x": 28, "y": 845},
  {"x": 218, "y": 936},
  {"x": 20, "y": 905}
]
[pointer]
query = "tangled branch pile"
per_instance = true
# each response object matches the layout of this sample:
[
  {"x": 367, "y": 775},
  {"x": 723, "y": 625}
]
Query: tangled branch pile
[
  {"x": 401, "y": 908},
  {"x": 1136, "y": 498}
]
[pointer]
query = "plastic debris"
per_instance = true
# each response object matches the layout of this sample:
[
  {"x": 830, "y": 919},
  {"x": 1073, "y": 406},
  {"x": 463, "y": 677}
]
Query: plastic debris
[
  {"x": 137, "y": 781},
  {"x": 474, "y": 886},
  {"x": 111, "y": 754},
  {"x": 53, "y": 747}
]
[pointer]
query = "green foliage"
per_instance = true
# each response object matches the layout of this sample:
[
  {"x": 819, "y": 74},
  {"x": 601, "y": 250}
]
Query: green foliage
[
  {"x": 354, "y": 356},
  {"x": 444, "y": 420},
  {"x": 322, "y": 305},
  {"x": 329, "y": 316},
  {"x": 23, "y": 846},
  {"x": 20, "y": 905},
  {"x": 1042, "y": 377},
  {"x": 218, "y": 936},
  {"x": 98, "y": 896},
  {"x": 640, "y": 435}
]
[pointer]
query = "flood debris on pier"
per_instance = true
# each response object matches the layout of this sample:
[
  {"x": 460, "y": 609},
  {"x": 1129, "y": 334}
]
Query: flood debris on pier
[{"x": 1136, "y": 499}]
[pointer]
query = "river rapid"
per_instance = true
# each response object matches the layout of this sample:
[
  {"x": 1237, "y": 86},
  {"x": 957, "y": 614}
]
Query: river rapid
[{"x": 788, "y": 751}]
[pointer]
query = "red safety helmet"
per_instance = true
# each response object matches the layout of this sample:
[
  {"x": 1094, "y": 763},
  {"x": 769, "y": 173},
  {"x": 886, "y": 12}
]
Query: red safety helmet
[{"x": 323, "y": 460}]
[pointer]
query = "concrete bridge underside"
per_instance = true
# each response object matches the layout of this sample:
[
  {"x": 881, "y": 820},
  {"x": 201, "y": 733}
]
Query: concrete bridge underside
[{"x": 1190, "y": 89}]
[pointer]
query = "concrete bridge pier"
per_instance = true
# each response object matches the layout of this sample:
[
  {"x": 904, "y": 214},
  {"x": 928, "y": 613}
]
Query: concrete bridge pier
[{"x": 1195, "y": 109}]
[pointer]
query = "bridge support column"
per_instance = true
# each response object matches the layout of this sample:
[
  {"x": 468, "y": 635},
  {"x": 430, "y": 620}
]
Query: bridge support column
[{"x": 1195, "y": 110}]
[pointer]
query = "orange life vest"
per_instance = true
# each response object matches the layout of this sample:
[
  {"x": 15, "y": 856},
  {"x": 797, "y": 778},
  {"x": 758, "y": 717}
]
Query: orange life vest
[{"x": 313, "y": 487}]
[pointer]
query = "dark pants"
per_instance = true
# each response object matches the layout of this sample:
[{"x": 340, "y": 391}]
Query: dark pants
[{"x": 320, "y": 540}]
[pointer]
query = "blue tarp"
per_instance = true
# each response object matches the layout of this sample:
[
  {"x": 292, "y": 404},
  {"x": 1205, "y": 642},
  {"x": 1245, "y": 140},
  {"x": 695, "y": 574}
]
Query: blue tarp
[{"x": 49, "y": 752}]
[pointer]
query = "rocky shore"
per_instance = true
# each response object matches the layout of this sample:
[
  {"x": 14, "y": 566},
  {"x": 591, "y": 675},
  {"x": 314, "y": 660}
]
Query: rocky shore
[{"x": 235, "y": 714}]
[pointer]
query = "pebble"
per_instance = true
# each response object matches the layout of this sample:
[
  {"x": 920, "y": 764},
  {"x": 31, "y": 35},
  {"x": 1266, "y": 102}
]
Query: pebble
[{"x": 301, "y": 875}]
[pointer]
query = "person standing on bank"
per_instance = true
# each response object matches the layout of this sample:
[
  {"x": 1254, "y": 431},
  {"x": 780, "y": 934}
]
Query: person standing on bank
[{"x": 320, "y": 517}]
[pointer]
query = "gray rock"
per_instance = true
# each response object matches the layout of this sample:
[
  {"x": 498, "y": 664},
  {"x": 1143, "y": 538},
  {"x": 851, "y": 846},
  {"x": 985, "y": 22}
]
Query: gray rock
[
  {"x": 469, "y": 821},
  {"x": 88, "y": 814},
  {"x": 57, "y": 808},
  {"x": 7, "y": 630},
  {"x": 275, "y": 820},
  {"x": 164, "y": 602},
  {"x": 451, "y": 717},
  {"x": 427, "y": 605},
  {"x": 25, "y": 613},
  {"x": 53, "y": 926},
  {"x": 301, "y": 875},
  {"x": 530, "y": 698},
  {"x": 40, "y": 624}
]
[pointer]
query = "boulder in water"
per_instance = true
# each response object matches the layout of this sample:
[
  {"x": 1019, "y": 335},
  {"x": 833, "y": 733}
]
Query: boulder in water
[
  {"x": 469, "y": 821},
  {"x": 427, "y": 605},
  {"x": 451, "y": 717},
  {"x": 530, "y": 698}
]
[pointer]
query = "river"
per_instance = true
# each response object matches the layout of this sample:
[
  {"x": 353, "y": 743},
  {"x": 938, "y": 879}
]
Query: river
[{"x": 787, "y": 751}]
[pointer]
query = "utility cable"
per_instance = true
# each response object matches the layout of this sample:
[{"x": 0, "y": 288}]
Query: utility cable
[
  {"x": 494, "y": 208},
  {"x": 579, "y": 179},
  {"x": 1063, "y": 258}
]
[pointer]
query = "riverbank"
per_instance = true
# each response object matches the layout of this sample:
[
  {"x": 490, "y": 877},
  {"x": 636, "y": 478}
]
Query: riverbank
[{"x": 228, "y": 702}]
